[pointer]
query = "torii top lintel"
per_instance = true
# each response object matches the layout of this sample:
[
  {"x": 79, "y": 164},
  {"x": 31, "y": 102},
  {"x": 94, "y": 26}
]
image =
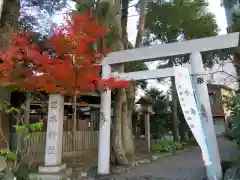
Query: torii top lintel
[{"x": 159, "y": 51}]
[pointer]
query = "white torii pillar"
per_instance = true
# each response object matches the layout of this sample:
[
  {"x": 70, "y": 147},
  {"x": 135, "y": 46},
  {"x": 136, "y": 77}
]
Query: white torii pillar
[
  {"x": 104, "y": 126},
  {"x": 200, "y": 86}
]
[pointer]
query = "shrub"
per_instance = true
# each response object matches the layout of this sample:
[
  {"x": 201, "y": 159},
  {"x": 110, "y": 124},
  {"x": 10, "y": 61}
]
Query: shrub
[
  {"x": 179, "y": 146},
  {"x": 24, "y": 171},
  {"x": 229, "y": 136},
  {"x": 228, "y": 164},
  {"x": 232, "y": 103},
  {"x": 235, "y": 161},
  {"x": 162, "y": 146},
  {"x": 165, "y": 146},
  {"x": 14, "y": 158}
]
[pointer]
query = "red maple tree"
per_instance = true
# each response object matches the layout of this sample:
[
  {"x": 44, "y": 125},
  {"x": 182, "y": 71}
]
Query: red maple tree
[{"x": 70, "y": 65}]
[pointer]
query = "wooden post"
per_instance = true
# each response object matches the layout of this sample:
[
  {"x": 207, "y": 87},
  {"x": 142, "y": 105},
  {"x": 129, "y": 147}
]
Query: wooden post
[
  {"x": 147, "y": 131},
  {"x": 104, "y": 127}
]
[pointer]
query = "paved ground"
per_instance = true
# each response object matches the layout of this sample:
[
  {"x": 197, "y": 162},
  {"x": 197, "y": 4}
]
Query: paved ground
[{"x": 184, "y": 166}]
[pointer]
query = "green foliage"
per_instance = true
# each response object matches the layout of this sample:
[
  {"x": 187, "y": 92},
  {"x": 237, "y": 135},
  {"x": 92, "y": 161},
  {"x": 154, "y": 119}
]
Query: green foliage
[
  {"x": 166, "y": 20},
  {"x": 8, "y": 155},
  {"x": 13, "y": 158},
  {"x": 165, "y": 146},
  {"x": 228, "y": 164},
  {"x": 24, "y": 170},
  {"x": 154, "y": 94},
  {"x": 236, "y": 161},
  {"x": 235, "y": 132},
  {"x": 235, "y": 22},
  {"x": 179, "y": 146},
  {"x": 232, "y": 103},
  {"x": 35, "y": 127},
  {"x": 159, "y": 121},
  {"x": 191, "y": 142},
  {"x": 137, "y": 66}
]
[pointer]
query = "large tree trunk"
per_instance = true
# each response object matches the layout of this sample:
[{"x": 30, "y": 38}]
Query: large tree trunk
[
  {"x": 10, "y": 10},
  {"x": 5, "y": 95},
  {"x": 26, "y": 117},
  {"x": 117, "y": 144},
  {"x": 176, "y": 136},
  {"x": 183, "y": 127},
  {"x": 183, "y": 131},
  {"x": 141, "y": 25},
  {"x": 9, "y": 22},
  {"x": 127, "y": 135},
  {"x": 118, "y": 155},
  {"x": 131, "y": 91},
  {"x": 27, "y": 108},
  {"x": 124, "y": 19}
]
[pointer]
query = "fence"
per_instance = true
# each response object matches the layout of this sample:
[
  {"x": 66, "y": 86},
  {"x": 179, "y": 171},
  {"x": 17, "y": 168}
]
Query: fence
[{"x": 85, "y": 140}]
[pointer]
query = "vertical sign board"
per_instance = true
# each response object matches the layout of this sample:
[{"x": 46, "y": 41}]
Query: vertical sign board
[
  {"x": 190, "y": 110},
  {"x": 53, "y": 149}
]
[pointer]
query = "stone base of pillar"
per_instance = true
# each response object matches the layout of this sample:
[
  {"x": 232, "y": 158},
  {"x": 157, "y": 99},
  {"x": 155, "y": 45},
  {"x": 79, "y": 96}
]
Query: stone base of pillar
[
  {"x": 60, "y": 172},
  {"x": 103, "y": 176}
]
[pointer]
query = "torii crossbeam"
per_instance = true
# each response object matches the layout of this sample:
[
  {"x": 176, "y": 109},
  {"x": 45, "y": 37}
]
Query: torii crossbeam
[{"x": 158, "y": 51}]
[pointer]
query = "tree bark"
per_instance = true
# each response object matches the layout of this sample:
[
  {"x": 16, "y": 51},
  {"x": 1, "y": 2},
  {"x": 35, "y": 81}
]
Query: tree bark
[
  {"x": 9, "y": 22},
  {"x": 117, "y": 146},
  {"x": 176, "y": 136},
  {"x": 183, "y": 131},
  {"x": 26, "y": 117},
  {"x": 183, "y": 127},
  {"x": 9, "y": 14},
  {"x": 5, "y": 95},
  {"x": 74, "y": 127},
  {"x": 131, "y": 90},
  {"x": 141, "y": 25},
  {"x": 27, "y": 108},
  {"x": 127, "y": 135},
  {"x": 124, "y": 19}
]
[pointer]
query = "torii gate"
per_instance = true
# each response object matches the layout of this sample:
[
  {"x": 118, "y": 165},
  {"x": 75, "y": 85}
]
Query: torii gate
[{"x": 153, "y": 53}]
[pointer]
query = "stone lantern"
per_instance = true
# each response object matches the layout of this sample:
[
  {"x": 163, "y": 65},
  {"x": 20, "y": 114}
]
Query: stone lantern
[{"x": 146, "y": 109}]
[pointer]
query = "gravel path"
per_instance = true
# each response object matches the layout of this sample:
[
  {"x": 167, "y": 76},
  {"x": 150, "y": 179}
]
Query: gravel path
[{"x": 183, "y": 166}]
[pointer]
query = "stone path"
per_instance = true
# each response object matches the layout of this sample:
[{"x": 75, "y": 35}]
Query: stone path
[{"x": 183, "y": 166}]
